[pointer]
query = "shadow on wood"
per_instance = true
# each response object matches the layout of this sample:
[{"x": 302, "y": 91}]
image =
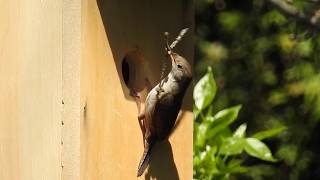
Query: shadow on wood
[
  {"x": 113, "y": 144},
  {"x": 162, "y": 165},
  {"x": 139, "y": 27}
]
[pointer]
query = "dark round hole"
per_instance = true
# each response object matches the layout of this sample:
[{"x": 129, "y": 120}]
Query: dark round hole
[
  {"x": 125, "y": 71},
  {"x": 133, "y": 72}
]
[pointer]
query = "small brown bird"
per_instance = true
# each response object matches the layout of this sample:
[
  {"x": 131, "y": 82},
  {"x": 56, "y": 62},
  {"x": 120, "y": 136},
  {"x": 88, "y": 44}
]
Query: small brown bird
[{"x": 163, "y": 103}]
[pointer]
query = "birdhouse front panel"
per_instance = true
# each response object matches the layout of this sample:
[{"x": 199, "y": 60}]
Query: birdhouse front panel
[{"x": 123, "y": 48}]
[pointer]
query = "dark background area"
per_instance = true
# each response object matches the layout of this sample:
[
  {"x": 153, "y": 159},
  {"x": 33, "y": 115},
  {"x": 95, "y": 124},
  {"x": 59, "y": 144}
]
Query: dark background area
[{"x": 266, "y": 58}]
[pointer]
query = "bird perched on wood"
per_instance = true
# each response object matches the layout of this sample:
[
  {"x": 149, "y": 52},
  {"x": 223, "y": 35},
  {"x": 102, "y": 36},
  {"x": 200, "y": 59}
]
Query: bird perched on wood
[{"x": 163, "y": 102}]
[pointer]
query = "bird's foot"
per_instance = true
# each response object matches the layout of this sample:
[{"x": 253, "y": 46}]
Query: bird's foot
[{"x": 137, "y": 99}]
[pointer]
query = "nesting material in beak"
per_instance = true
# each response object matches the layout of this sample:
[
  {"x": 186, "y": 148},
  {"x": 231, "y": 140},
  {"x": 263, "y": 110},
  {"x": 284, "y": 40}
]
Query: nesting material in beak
[{"x": 168, "y": 48}]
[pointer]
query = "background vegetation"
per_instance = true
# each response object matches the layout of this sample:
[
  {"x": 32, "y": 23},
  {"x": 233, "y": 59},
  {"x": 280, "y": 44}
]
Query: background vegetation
[{"x": 265, "y": 55}]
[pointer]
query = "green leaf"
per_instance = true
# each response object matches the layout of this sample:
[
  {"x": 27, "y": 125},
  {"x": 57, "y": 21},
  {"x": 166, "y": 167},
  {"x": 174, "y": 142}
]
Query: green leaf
[
  {"x": 209, "y": 111},
  {"x": 195, "y": 137},
  {"x": 305, "y": 48},
  {"x": 200, "y": 134},
  {"x": 241, "y": 131},
  {"x": 273, "y": 17},
  {"x": 214, "y": 51},
  {"x": 231, "y": 20},
  {"x": 222, "y": 120},
  {"x": 205, "y": 163},
  {"x": 288, "y": 153},
  {"x": 277, "y": 97},
  {"x": 258, "y": 149},
  {"x": 238, "y": 169},
  {"x": 234, "y": 162},
  {"x": 260, "y": 170},
  {"x": 226, "y": 115},
  {"x": 205, "y": 90},
  {"x": 269, "y": 133},
  {"x": 234, "y": 166},
  {"x": 209, "y": 160},
  {"x": 196, "y": 113},
  {"x": 220, "y": 137},
  {"x": 220, "y": 163},
  {"x": 232, "y": 146},
  {"x": 286, "y": 43}
]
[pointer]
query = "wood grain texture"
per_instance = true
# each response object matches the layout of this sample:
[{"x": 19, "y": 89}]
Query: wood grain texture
[
  {"x": 53, "y": 51},
  {"x": 70, "y": 152},
  {"x": 30, "y": 87},
  {"x": 111, "y": 140}
]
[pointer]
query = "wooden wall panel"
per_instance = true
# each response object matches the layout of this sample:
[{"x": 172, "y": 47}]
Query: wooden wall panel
[
  {"x": 71, "y": 90},
  {"x": 30, "y": 86},
  {"x": 111, "y": 141},
  {"x": 65, "y": 112}
]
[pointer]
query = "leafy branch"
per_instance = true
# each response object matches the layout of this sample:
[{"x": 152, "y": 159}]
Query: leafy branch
[
  {"x": 291, "y": 10},
  {"x": 217, "y": 151}
]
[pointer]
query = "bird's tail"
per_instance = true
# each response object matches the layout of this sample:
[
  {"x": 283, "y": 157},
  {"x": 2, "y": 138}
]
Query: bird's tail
[{"x": 144, "y": 159}]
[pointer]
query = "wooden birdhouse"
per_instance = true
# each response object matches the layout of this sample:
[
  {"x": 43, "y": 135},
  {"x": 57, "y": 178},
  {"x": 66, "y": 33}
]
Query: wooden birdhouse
[{"x": 66, "y": 69}]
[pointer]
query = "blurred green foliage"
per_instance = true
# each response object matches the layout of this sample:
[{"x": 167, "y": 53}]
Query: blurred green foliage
[
  {"x": 269, "y": 62},
  {"x": 217, "y": 151}
]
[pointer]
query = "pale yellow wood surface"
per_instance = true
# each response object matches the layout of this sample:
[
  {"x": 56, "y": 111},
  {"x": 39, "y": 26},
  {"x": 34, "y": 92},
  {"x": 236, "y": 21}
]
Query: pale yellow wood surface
[
  {"x": 111, "y": 140},
  {"x": 71, "y": 90},
  {"x": 30, "y": 87},
  {"x": 43, "y": 62}
]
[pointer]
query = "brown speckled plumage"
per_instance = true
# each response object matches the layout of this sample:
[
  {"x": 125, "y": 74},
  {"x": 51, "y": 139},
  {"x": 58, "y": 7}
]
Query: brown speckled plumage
[{"x": 162, "y": 106}]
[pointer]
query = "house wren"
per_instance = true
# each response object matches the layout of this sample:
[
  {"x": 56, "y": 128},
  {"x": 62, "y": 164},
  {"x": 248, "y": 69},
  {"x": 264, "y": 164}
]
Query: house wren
[{"x": 163, "y": 103}]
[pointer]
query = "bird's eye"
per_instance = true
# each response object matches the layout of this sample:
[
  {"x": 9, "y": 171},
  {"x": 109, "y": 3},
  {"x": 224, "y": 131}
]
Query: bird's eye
[{"x": 179, "y": 66}]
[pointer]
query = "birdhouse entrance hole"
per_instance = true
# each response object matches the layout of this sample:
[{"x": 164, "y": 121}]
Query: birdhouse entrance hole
[{"x": 133, "y": 70}]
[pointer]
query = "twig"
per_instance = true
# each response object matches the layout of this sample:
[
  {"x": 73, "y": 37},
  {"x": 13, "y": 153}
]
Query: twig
[
  {"x": 179, "y": 37},
  {"x": 296, "y": 13}
]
